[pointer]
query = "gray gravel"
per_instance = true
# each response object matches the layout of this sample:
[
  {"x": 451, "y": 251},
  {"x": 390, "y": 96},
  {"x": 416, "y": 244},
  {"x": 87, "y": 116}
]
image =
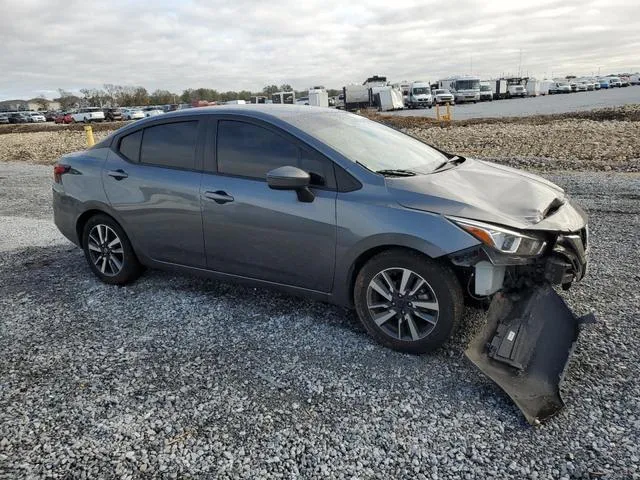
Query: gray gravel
[{"x": 179, "y": 377}]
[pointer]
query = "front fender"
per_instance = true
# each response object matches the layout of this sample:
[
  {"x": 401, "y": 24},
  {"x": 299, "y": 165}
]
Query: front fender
[{"x": 363, "y": 227}]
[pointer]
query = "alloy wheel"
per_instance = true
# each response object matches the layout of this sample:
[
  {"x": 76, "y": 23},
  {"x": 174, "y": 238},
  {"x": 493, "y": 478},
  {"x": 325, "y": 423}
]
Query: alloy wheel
[
  {"x": 105, "y": 250},
  {"x": 402, "y": 304}
]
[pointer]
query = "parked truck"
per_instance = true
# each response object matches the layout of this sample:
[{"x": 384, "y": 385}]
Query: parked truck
[
  {"x": 356, "y": 97},
  {"x": 498, "y": 88},
  {"x": 464, "y": 89},
  {"x": 284, "y": 97},
  {"x": 419, "y": 95},
  {"x": 318, "y": 97}
]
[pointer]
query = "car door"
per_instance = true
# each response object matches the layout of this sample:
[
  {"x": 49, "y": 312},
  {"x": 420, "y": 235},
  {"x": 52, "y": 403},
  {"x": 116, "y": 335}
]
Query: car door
[
  {"x": 152, "y": 180},
  {"x": 254, "y": 231}
]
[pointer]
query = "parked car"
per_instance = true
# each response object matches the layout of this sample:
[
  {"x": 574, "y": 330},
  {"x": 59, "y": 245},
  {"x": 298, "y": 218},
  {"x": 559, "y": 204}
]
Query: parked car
[
  {"x": 19, "y": 118},
  {"x": 398, "y": 229},
  {"x": 152, "y": 111},
  {"x": 36, "y": 117},
  {"x": 614, "y": 82},
  {"x": 112, "y": 114},
  {"x": 581, "y": 87},
  {"x": 88, "y": 115},
  {"x": 50, "y": 116},
  {"x": 132, "y": 114},
  {"x": 443, "y": 96},
  {"x": 560, "y": 87},
  {"x": 63, "y": 117},
  {"x": 624, "y": 81},
  {"x": 486, "y": 94},
  {"x": 4, "y": 118},
  {"x": 604, "y": 83}
]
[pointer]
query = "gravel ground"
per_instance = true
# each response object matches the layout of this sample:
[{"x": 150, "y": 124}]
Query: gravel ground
[
  {"x": 180, "y": 377},
  {"x": 599, "y": 140}
]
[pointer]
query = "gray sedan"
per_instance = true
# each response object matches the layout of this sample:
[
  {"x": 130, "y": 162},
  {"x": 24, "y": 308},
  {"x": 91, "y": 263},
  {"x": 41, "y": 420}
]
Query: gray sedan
[{"x": 320, "y": 203}]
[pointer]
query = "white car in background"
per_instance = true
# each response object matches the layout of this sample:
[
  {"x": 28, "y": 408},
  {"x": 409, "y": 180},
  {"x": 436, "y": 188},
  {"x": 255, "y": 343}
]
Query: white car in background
[
  {"x": 581, "y": 87},
  {"x": 36, "y": 117},
  {"x": 87, "y": 115},
  {"x": 132, "y": 114},
  {"x": 152, "y": 111},
  {"x": 442, "y": 96}
]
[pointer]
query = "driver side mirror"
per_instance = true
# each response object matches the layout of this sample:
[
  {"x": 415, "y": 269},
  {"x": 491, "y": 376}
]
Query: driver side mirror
[{"x": 291, "y": 178}]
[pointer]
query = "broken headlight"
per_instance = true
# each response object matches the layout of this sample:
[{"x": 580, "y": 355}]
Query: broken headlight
[{"x": 502, "y": 239}]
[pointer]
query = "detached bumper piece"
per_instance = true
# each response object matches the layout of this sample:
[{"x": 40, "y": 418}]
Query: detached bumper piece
[{"x": 525, "y": 348}]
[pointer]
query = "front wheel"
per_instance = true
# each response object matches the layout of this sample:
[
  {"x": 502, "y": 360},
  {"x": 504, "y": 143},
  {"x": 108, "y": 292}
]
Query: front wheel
[
  {"x": 407, "y": 301},
  {"x": 109, "y": 252}
]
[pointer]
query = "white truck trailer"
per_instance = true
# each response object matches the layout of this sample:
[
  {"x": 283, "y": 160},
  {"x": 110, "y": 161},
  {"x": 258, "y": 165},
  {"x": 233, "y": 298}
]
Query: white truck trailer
[
  {"x": 284, "y": 97},
  {"x": 318, "y": 97},
  {"x": 499, "y": 88}
]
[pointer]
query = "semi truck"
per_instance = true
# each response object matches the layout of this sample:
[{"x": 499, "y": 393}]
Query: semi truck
[{"x": 498, "y": 88}]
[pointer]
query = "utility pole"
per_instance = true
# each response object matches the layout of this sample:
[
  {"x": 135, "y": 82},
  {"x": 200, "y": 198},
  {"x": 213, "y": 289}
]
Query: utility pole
[{"x": 520, "y": 65}]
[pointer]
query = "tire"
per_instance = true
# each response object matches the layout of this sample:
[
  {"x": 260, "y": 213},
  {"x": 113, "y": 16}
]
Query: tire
[
  {"x": 427, "y": 326},
  {"x": 101, "y": 231}
]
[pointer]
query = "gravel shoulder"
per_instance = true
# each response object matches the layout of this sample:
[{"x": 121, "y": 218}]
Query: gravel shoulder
[{"x": 179, "y": 377}]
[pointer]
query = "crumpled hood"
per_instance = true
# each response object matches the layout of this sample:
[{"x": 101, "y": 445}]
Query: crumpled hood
[{"x": 492, "y": 193}]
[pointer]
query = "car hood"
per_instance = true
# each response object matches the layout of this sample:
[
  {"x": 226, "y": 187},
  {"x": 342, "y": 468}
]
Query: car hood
[{"x": 492, "y": 193}]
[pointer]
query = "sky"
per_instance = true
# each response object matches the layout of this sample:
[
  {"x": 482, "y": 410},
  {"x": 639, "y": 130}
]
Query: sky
[{"x": 245, "y": 45}]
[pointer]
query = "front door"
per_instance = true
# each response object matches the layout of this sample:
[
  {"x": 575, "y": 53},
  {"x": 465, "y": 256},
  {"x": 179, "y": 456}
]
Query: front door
[
  {"x": 253, "y": 231},
  {"x": 153, "y": 183}
]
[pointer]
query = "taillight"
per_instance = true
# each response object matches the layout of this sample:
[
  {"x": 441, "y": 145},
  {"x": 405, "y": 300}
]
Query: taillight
[{"x": 59, "y": 170}]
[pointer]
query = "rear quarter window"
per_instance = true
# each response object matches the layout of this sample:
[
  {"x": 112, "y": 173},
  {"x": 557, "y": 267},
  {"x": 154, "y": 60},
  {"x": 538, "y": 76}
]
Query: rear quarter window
[
  {"x": 170, "y": 145},
  {"x": 130, "y": 146}
]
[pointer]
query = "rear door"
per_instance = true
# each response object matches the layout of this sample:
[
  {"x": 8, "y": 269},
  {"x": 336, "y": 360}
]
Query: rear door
[
  {"x": 253, "y": 231},
  {"x": 152, "y": 179}
]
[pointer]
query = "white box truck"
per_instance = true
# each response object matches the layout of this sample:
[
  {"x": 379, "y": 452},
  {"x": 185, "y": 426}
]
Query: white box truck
[
  {"x": 533, "y": 87},
  {"x": 318, "y": 97}
]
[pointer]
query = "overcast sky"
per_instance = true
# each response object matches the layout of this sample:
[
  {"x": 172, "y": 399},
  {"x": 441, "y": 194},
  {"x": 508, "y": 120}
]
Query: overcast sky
[{"x": 242, "y": 44}]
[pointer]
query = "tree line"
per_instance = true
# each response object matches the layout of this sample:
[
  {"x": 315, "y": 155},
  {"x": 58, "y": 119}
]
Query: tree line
[{"x": 129, "y": 96}]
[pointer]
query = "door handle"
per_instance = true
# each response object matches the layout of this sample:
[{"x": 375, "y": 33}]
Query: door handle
[
  {"x": 117, "y": 174},
  {"x": 219, "y": 196}
]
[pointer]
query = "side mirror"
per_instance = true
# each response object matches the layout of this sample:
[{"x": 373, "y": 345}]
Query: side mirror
[{"x": 291, "y": 178}]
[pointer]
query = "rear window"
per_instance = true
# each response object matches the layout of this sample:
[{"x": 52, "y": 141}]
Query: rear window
[{"x": 170, "y": 145}]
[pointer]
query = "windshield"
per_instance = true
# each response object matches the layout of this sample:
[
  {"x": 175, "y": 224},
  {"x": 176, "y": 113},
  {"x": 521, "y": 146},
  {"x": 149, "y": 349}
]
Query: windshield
[
  {"x": 442, "y": 92},
  {"x": 467, "y": 84},
  {"x": 420, "y": 90},
  {"x": 369, "y": 143},
  {"x": 564, "y": 84},
  {"x": 484, "y": 88}
]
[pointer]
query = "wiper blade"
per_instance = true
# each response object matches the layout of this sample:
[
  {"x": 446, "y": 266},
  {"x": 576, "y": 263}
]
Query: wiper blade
[
  {"x": 396, "y": 172},
  {"x": 452, "y": 160}
]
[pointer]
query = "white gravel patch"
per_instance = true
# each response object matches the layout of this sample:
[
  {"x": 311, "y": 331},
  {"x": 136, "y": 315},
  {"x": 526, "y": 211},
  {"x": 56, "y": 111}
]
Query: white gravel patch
[
  {"x": 180, "y": 377},
  {"x": 21, "y": 232}
]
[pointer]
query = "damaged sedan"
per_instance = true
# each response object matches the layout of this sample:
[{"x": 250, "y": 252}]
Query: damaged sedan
[{"x": 336, "y": 207}]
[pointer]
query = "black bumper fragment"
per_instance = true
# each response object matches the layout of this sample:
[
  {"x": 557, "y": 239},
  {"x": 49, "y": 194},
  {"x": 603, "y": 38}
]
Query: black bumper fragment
[{"x": 526, "y": 346}]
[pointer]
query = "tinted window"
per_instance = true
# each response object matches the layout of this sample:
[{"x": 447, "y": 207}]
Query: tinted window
[
  {"x": 251, "y": 151},
  {"x": 170, "y": 145},
  {"x": 319, "y": 167},
  {"x": 130, "y": 146}
]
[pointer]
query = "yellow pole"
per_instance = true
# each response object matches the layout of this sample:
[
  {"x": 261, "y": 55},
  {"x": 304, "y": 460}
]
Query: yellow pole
[
  {"x": 90, "y": 140},
  {"x": 438, "y": 111},
  {"x": 449, "y": 112}
]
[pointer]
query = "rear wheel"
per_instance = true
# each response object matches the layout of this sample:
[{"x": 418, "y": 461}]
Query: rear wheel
[
  {"x": 109, "y": 252},
  {"x": 407, "y": 301}
]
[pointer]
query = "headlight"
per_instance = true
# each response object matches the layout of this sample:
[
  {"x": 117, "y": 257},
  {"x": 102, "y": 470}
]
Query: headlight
[{"x": 501, "y": 239}]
